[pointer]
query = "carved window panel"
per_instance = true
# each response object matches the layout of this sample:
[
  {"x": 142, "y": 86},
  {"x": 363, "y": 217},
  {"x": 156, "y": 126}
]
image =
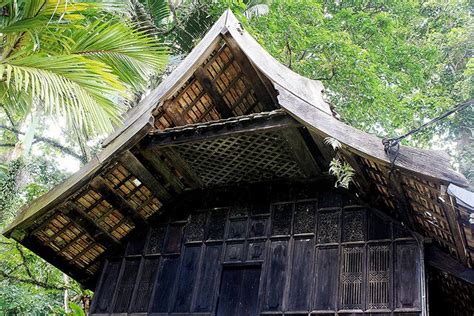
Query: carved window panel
[
  {"x": 106, "y": 290},
  {"x": 145, "y": 286},
  {"x": 352, "y": 277},
  {"x": 329, "y": 227},
  {"x": 237, "y": 229},
  {"x": 196, "y": 227},
  {"x": 256, "y": 251},
  {"x": 125, "y": 287},
  {"x": 156, "y": 239},
  {"x": 281, "y": 219},
  {"x": 378, "y": 270},
  {"x": 234, "y": 252},
  {"x": 174, "y": 237},
  {"x": 304, "y": 218},
  {"x": 353, "y": 228},
  {"x": 216, "y": 226},
  {"x": 238, "y": 211},
  {"x": 258, "y": 227}
]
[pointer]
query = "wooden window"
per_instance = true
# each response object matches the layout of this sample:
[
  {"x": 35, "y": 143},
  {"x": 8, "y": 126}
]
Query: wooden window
[
  {"x": 107, "y": 288},
  {"x": 187, "y": 279},
  {"x": 208, "y": 279},
  {"x": 276, "y": 275},
  {"x": 144, "y": 288},
  {"x": 352, "y": 276},
  {"x": 125, "y": 287},
  {"x": 327, "y": 273},
  {"x": 300, "y": 284},
  {"x": 164, "y": 285},
  {"x": 238, "y": 293},
  {"x": 378, "y": 278}
]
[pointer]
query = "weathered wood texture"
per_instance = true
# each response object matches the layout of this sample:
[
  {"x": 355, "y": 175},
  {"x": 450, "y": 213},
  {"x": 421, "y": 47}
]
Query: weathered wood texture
[{"x": 295, "y": 253}]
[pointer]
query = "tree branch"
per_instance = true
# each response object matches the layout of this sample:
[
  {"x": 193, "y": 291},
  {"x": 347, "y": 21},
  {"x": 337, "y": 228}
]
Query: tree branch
[
  {"x": 50, "y": 142},
  {"x": 32, "y": 282}
]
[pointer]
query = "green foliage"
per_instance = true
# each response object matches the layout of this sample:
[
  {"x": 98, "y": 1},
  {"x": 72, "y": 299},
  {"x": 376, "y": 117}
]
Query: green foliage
[{"x": 74, "y": 59}]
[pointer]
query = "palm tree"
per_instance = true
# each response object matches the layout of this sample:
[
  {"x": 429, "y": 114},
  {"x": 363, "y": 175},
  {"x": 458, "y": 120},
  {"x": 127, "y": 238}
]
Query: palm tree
[{"x": 74, "y": 60}]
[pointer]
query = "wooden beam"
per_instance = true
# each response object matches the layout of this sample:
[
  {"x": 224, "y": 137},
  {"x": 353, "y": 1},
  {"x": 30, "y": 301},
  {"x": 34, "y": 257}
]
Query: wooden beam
[
  {"x": 183, "y": 168},
  {"x": 452, "y": 218},
  {"x": 117, "y": 201},
  {"x": 92, "y": 227},
  {"x": 438, "y": 259},
  {"x": 206, "y": 82},
  {"x": 263, "y": 92},
  {"x": 395, "y": 187},
  {"x": 152, "y": 156},
  {"x": 300, "y": 152},
  {"x": 144, "y": 175},
  {"x": 205, "y": 131},
  {"x": 172, "y": 111}
]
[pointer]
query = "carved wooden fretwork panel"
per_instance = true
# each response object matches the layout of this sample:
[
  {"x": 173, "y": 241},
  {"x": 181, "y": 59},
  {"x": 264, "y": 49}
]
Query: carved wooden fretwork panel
[
  {"x": 314, "y": 256},
  {"x": 378, "y": 278},
  {"x": 329, "y": 227},
  {"x": 352, "y": 277}
]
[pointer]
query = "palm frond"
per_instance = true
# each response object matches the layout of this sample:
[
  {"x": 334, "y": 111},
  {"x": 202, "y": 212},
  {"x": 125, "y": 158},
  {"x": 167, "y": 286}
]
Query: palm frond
[
  {"x": 80, "y": 89},
  {"x": 131, "y": 54}
]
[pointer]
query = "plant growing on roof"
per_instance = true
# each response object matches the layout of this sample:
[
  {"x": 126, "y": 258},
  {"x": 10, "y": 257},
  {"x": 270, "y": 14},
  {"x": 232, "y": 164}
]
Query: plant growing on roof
[{"x": 338, "y": 167}]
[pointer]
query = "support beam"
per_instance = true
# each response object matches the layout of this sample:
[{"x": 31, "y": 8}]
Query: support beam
[
  {"x": 183, "y": 168},
  {"x": 144, "y": 175},
  {"x": 436, "y": 258},
  {"x": 263, "y": 92},
  {"x": 152, "y": 156},
  {"x": 206, "y": 82},
  {"x": 117, "y": 201},
  {"x": 92, "y": 227},
  {"x": 262, "y": 122},
  {"x": 395, "y": 187},
  {"x": 454, "y": 227},
  {"x": 171, "y": 111},
  {"x": 299, "y": 150}
]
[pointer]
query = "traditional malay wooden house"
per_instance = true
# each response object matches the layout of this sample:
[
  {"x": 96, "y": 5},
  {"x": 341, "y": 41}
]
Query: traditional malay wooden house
[{"x": 214, "y": 198}]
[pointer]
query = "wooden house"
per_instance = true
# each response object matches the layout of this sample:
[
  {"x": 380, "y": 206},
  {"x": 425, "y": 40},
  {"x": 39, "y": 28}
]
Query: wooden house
[{"x": 214, "y": 198}]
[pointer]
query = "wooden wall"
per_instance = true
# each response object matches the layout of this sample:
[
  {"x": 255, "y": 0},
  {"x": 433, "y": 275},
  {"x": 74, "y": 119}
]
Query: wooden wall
[{"x": 317, "y": 253}]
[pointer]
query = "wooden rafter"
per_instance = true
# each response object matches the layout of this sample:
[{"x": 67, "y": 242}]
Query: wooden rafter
[
  {"x": 144, "y": 175},
  {"x": 152, "y": 157},
  {"x": 117, "y": 201},
  {"x": 262, "y": 91},
  {"x": 206, "y": 82},
  {"x": 299, "y": 150},
  {"x": 92, "y": 227}
]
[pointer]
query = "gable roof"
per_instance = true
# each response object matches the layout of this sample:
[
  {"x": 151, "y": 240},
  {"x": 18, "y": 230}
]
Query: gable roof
[{"x": 230, "y": 89}]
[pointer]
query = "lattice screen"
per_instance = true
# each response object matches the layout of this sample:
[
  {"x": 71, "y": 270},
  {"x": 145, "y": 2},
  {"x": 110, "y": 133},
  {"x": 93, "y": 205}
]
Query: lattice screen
[{"x": 249, "y": 158}]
